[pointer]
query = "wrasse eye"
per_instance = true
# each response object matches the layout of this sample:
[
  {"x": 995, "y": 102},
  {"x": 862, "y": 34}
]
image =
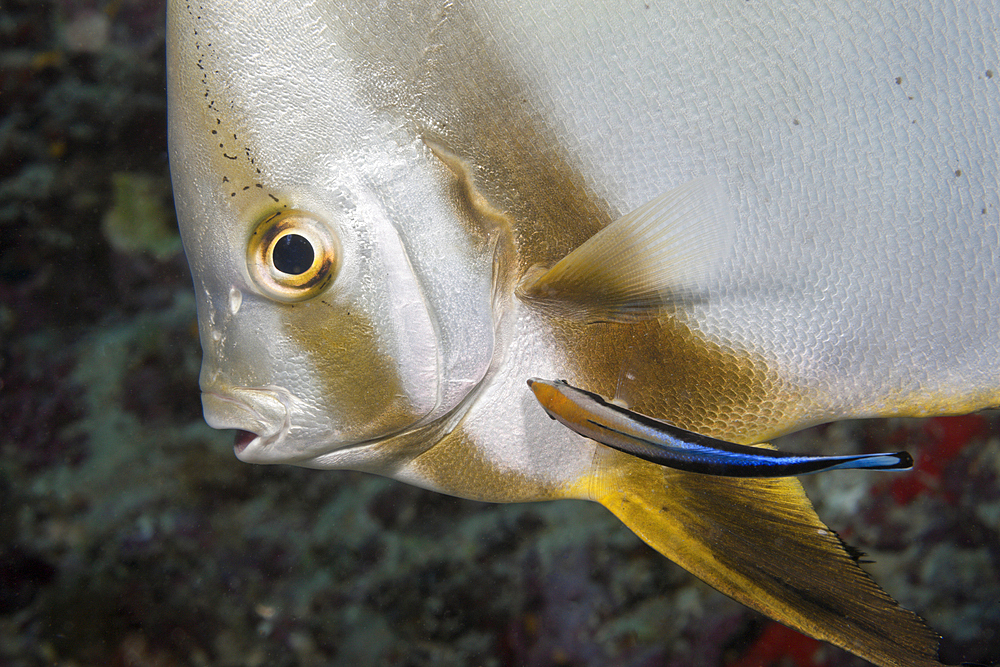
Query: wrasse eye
[{"x": 293, "y": 256}]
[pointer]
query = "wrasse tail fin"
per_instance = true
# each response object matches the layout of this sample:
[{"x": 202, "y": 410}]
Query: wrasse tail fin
[
  {"x": 760, "y": 542},
  {"x": 664, "y": 252}
]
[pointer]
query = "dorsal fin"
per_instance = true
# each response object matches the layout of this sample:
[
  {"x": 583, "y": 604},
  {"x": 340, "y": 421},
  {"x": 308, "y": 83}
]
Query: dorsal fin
[{"x": 663, "y": 253}]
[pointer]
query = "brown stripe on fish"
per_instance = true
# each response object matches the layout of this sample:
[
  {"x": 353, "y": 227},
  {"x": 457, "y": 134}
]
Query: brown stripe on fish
[
  {"x": 341, "y": 345},
  {"x": 457, "y": 465},
  {"x": 663, "y": 369},
  {"x": 456, "y": 90}
]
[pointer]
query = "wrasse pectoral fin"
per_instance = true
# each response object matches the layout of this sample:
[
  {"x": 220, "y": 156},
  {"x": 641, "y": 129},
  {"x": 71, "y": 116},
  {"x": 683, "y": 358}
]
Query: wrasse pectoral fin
[
  {"x": 658, "y": 442},
  {"x": 664, "y": 252}
]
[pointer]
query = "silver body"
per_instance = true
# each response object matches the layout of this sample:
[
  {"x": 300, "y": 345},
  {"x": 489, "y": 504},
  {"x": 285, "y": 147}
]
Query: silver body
[{"x": 864, "y": 267}]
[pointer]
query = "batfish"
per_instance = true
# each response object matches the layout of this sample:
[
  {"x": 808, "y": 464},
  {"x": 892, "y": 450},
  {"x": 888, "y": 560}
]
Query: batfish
[{"x": 740, "y": 218}]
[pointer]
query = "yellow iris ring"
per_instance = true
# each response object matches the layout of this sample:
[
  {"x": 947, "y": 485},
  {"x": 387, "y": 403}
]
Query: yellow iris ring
[{"x": 287, "y": 287}]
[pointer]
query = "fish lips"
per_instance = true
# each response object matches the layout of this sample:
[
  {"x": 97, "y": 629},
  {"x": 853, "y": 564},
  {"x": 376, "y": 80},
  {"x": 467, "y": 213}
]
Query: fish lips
[{"x": 259, "y": 415}]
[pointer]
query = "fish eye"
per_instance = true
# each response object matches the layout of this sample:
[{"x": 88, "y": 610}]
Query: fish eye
[{"x": 292, "y": 256}]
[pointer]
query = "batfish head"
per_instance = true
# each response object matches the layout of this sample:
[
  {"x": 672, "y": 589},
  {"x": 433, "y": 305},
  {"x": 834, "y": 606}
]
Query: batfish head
[{"x": 342, "y": 300}]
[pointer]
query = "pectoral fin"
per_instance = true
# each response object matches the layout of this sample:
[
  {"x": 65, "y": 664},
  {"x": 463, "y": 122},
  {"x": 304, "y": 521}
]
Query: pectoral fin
[
  {"x": 760, "y": 542},
  {"x": 662, "y": 253}
]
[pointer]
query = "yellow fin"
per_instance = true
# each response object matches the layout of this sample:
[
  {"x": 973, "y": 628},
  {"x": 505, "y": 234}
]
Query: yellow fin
[
  {"x": 760, "y": 542},
  {"x": 664, "y": 252}
]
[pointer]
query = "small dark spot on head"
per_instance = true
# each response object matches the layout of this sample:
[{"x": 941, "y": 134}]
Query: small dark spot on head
[
  {"x": 899, "y": 80},
  {"x": 232, "y": 194},
  {"x": 958, "y": 172},
  {"x": 984, "y": 211},
  {"x": 796, "y": 122},
  {"x": 259, "y": 185},
  {"x": 221, "y": 145},
  {"x": 909, "y": 97},
  {"x": 215, "y": 131},
  {"x": 989, "y": 74},
  {"x": 245, "y": 188},
  {"x": 225, "y": 179},
  {"x": 272, "y": 196}
]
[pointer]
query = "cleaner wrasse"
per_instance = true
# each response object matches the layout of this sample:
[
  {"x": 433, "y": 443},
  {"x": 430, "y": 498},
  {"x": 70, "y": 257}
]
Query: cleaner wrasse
[{"x": 659, "y": 442}]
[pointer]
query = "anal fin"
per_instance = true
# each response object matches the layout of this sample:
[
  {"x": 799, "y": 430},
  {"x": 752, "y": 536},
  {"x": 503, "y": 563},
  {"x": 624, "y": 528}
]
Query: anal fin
[{"x": 760, "y": 542}]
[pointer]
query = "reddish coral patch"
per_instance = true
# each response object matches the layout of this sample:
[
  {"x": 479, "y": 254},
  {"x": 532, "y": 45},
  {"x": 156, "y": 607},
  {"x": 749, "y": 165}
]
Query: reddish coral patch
[
  {"x": 781, "y": 645},
  {"x": 943, "y": 440}
]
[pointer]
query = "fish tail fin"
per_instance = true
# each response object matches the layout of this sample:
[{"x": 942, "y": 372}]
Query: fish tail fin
[{"x": 760, "y": 542}]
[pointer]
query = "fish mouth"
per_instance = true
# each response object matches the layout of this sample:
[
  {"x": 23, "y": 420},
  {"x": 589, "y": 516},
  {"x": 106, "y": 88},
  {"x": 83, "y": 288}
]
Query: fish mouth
[
  {"x": 242, "y": 439},
  {"x": 259, "y": 415},
  {"x": 262, "y": 420}
]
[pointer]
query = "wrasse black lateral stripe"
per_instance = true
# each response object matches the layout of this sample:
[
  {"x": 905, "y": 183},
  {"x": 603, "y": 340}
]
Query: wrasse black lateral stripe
[
  {"x": 679, "y": 450},
  {"x": 656, "y": 441}
]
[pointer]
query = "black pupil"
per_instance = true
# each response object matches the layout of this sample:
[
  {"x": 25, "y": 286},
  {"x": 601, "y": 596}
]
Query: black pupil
[{"x": 293, "y": 254}]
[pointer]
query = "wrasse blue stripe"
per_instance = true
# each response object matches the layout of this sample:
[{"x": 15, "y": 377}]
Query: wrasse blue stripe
[{"x": 732, "y": 460}]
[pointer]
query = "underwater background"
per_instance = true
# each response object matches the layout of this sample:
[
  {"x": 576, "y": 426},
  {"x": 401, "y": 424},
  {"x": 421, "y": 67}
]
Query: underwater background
[{"x": 131, "y": 536}]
